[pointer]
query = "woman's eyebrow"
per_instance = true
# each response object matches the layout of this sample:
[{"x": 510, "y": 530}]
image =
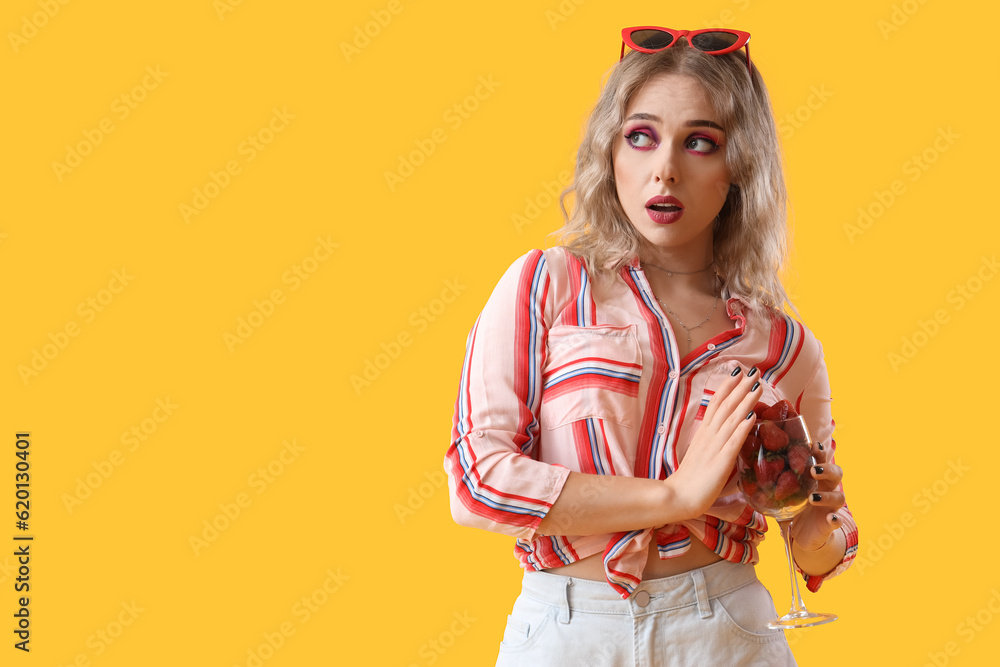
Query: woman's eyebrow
[
  {"x": 704, "y": 123},
  {"x": 645, "y": 116},
  {"x": 690, "y": 123}
]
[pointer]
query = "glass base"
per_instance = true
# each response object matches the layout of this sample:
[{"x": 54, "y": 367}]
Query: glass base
[{"x": 801, "y": 619}]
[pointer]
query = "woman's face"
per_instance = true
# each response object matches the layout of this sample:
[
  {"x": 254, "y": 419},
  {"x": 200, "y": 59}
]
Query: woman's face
[{"x": 670, "y": 165}]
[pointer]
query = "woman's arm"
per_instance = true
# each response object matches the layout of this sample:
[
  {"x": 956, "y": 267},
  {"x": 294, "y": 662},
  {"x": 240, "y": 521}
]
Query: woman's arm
[
  {"x": 596, "y": 504},
  {"x": 824, "y": 535},
  {"x": 818, "y": 546}
]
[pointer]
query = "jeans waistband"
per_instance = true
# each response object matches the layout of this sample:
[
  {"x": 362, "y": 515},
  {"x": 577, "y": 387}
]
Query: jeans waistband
[{"x": 695, "y": 587}]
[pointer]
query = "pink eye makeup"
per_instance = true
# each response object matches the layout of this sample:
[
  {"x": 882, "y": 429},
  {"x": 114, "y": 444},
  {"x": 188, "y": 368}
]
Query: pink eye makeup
[
  {"x": 701, "y": 143},
  {"x": 641, "y": 138}
]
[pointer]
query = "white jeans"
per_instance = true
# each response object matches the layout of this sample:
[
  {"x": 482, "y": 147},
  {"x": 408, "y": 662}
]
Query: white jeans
[{"x": 715, "y": 615}]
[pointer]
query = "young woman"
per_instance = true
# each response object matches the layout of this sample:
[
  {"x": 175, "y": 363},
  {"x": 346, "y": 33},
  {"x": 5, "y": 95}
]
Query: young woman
[{"x": 609, "y": 382}]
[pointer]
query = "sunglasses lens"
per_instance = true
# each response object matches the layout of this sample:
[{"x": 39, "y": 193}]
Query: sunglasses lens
[
  {"x": 714, "y": 41},
  {"x": 652, "y": 39}
]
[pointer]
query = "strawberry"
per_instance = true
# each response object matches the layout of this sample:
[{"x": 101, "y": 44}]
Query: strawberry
[
  {"x": 799, "y": 458},
  {"x": 759, "y": 409},
  {"x": 792, "y": 414},
  {"x": 749, "y": 485},
  {"x": 777, "y": 412},
  {"x": 794, "y": 428},
  {"x": 768, "y": 470},
  {"x": 772, "y": 437},
  {"x": 751, "y": 446},
  {"x": 788, "y": 485}
]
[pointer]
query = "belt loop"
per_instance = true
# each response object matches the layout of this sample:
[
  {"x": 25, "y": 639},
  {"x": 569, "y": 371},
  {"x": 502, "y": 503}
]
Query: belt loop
[
  {"x": 701, "y": 591},
  {"x": 564, "y": 604}
]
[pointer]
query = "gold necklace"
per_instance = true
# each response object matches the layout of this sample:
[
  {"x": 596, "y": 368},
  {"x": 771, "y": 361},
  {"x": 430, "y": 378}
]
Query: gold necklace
[
  {"x": 715, "y": 304},
  {"x": 684, "y": 326}
]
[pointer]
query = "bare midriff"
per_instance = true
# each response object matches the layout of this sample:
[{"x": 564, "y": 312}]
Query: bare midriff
[{"x": 592, "y": 567}]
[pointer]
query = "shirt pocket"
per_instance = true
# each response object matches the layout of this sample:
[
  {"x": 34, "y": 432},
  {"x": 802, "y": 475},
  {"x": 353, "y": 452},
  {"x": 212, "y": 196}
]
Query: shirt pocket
[
  {"x": 591, "y": 372},
  {"x": 719, "y": 375}
]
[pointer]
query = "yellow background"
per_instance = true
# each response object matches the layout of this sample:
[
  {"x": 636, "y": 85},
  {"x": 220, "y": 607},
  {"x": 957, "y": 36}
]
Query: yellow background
[{"x": 869, "y": 86}]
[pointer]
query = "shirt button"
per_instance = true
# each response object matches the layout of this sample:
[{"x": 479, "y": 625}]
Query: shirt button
[
  {"x": 672, "y": 375},
  {"x": 711, "y": 346},
  {"x": 661, "y": 428},
  {"x": 479, "y": 434},
  {"x": 642, "y": 598}
]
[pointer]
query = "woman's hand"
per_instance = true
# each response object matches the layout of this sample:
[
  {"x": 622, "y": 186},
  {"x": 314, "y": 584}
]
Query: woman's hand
[
  {"x": 711, "y": 456},
  {"x": 811, "y": 528}
]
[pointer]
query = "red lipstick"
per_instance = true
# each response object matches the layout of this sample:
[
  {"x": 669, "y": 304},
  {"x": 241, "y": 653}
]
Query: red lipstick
[{"x": 664, "y": 210}]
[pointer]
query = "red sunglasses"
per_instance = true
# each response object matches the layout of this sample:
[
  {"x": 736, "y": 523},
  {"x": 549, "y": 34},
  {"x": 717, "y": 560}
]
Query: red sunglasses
[{"x": 713, "y": 41}]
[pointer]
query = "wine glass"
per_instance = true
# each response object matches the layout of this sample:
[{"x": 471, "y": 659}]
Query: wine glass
[{"x": 776, "y": 458}]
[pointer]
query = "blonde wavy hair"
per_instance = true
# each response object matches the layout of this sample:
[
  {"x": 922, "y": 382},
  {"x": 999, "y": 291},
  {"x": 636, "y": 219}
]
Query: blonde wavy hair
[{"x": 750, "y": 235}]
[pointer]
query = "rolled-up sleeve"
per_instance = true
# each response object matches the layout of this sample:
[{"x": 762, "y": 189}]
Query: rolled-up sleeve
[
  {"x": 814, "y": 405},
  {"x": 494, "y": 482}
]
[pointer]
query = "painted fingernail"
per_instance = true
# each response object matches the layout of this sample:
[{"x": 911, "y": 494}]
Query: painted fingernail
[
  {"x": 835, "y": 518},
  {"x": 750, "y": 415},
  {"x": 753, "y": 371},
  {"x": 754, "y": 387},
  {"x": 818, "y": 469},
  {"x": 817, "y": 497},
  {"x": 819, "y": 446},
  {"x": 737, "y": 371}
]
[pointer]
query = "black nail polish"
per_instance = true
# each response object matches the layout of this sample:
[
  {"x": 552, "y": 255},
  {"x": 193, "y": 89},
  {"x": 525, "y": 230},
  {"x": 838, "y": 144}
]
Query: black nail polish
[
  {"x": 754, "y": 387},
  {"x": 819, "y": 445},
  {"x": 753, "y": 371},
  {"x": 817, "y": 497},
  {"x": 835, "y": 518},
  {"x": 737, "y": 371},
  {"x": 750, "y": 415},
  {"x": 819, "y": 470}
]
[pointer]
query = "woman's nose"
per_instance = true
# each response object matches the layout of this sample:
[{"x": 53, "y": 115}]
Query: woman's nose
[{"x": 666, "y": 167}]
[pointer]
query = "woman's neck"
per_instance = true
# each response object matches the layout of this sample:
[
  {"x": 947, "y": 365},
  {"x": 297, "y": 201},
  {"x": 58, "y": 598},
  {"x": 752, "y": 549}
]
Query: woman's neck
[{"x": 680, "y": 275}]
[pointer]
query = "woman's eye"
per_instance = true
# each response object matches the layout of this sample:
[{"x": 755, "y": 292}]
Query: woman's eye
[
  {"x": 701, "y": 144},
  {"x": 638, "y": 139}
]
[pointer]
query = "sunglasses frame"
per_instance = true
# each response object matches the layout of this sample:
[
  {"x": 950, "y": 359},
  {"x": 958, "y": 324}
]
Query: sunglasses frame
[{"x": 743, "y": 39}]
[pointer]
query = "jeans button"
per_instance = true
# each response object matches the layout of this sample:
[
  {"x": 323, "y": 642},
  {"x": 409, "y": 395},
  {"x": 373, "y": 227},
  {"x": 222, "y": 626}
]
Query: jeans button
[{"x": 642, "y": 598}]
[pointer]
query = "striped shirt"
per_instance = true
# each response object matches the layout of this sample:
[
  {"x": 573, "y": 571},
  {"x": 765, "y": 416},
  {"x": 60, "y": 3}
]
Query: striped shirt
[{"x": 564, "y": 373}]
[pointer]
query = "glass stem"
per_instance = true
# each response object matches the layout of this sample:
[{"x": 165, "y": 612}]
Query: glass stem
[{"x": 786, "y": 533}]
